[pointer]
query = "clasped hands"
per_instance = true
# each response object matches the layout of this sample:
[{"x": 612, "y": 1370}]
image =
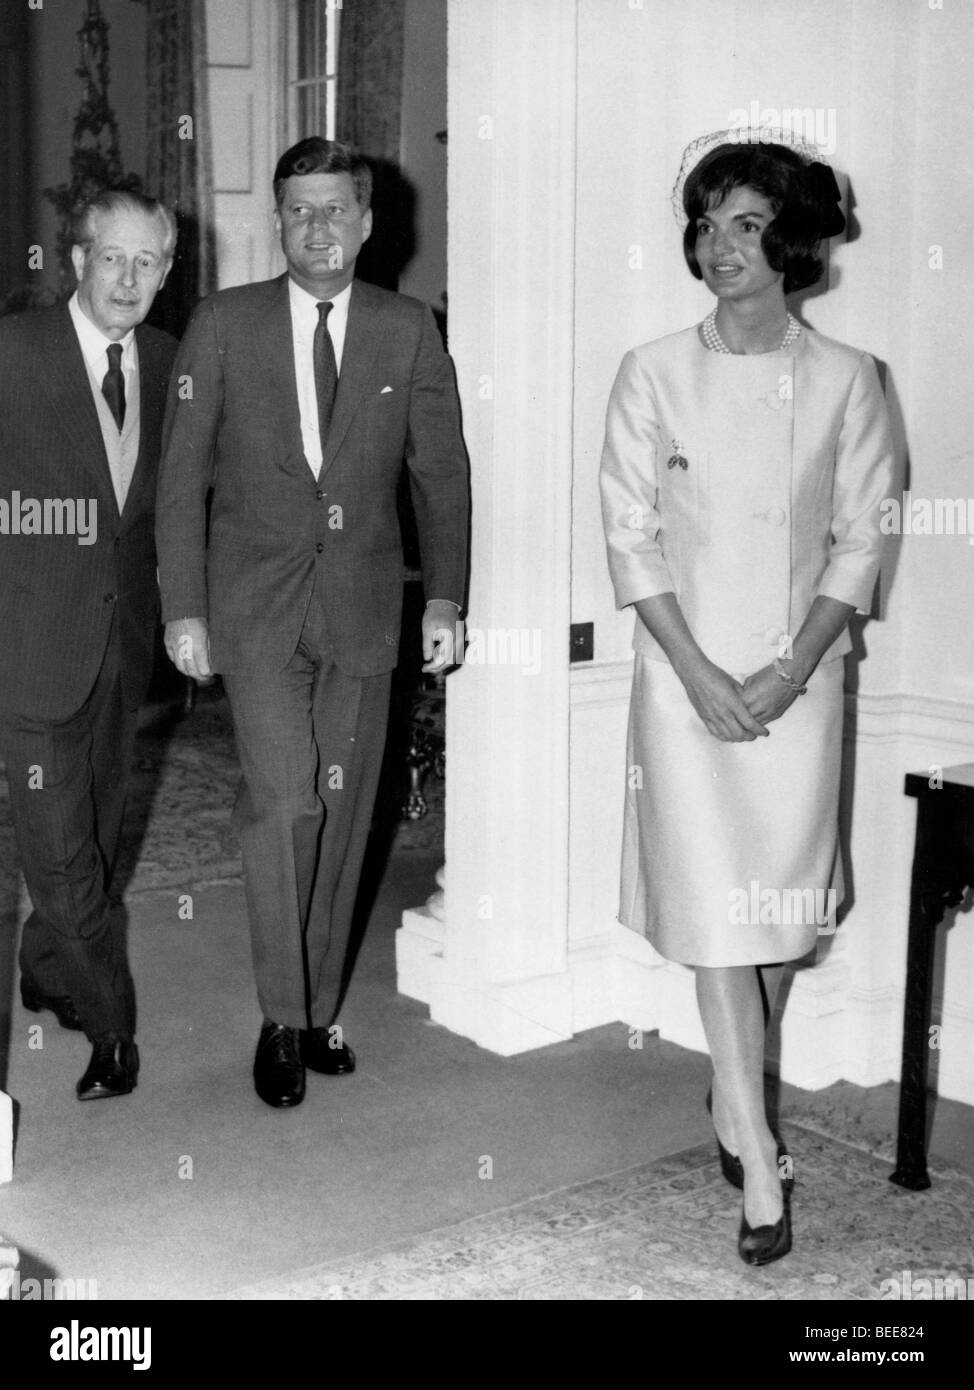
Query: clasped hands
[{"x": 735, "y": 712}]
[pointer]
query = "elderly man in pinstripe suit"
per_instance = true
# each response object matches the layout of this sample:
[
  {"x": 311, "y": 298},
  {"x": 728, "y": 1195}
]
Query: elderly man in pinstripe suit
[{"x": 82, "y": 394}]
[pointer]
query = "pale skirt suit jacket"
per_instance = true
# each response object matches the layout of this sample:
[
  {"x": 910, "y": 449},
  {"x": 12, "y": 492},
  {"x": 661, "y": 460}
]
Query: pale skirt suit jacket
[{"x": 746, "y": 486}]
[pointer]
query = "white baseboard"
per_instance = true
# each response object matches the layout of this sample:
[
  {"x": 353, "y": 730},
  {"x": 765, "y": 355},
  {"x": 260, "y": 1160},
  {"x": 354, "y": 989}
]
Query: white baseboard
[
  {"x": 6, "y": 1138},
  {"x": 843, "y": 1019}
]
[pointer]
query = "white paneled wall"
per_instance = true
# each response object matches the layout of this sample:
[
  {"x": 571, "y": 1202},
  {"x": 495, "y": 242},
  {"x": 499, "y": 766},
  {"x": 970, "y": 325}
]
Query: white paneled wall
[
  {"x": 246, "y": 111},
  {"x": 638, "y": 79}
]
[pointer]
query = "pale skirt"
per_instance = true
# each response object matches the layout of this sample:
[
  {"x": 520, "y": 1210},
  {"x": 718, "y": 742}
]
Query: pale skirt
[{"x": 730, "y": 850}]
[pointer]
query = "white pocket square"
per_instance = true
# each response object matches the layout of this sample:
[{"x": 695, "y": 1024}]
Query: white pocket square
[{"x": 384, "y": 390}]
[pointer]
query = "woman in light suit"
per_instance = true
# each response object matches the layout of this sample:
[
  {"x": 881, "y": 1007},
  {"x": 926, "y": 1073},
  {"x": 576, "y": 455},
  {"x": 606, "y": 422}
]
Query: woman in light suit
[{"x": 744, "y": 464}]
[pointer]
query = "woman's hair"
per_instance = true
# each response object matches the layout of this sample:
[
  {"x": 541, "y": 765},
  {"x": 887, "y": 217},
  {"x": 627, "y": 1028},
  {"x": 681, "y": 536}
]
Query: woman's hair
[{"x": 804, "y": 198}]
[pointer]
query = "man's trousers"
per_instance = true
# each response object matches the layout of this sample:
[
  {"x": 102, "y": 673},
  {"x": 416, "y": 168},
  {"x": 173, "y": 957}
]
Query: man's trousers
[
  {"x": 310, "y": 741},
  {"x": 68, "y": 781}
]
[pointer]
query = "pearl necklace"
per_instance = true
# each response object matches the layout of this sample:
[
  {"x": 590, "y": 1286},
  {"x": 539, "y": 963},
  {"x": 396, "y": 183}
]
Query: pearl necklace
[{"x": 716, "y": 343}]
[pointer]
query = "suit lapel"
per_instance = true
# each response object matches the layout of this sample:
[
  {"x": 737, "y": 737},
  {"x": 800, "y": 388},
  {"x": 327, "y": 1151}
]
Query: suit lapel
[
  {"x": 152, "y": 403},
  {"x": 65, "y": 381},
  {"x": 274, "y": 343},
  {"x": 362, "y": 337}
]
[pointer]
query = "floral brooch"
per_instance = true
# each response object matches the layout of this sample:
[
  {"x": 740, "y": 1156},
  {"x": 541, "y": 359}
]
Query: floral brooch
[{"x": 677, "y": 459}]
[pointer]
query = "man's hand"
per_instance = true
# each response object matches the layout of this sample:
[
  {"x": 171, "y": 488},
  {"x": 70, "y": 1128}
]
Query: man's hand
[
  {"x": 766, "y": 695},
  {"x": 188, "y": 647},
  {"x": 719, "y": 701},
  {"x": 442, "y": 635}
]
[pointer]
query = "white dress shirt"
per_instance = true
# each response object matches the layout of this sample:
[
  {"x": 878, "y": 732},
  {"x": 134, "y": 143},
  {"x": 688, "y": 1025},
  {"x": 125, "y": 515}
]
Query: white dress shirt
[
  {"x": 304, "y": 321},
  {"x": 94, "y": 349}
]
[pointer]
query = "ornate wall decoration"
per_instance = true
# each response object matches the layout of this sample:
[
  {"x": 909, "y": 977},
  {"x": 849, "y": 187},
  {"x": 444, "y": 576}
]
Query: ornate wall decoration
[{"x": 95, "y": 162}]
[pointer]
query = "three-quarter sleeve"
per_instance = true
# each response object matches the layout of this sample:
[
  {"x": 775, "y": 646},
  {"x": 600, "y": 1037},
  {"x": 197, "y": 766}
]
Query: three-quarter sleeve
[
  {"x": 628, "y": 483},
  {"x": 863, "y": 478}
]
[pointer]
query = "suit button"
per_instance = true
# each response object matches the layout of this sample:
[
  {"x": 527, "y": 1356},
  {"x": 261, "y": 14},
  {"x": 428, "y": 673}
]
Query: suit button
[
  {"x": 319, "y": 547},
  {"x": 772, "y": 635},
  {"x": 319, "y": 494},
  {"x": 776, "y": 516},
  {"x": 109, "y": 598}
]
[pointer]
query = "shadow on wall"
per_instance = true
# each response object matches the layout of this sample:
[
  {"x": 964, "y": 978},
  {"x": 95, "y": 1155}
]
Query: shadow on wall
[{"x": 392, "y": 245}]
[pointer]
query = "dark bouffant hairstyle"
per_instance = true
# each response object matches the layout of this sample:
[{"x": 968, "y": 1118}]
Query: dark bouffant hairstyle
[
  {"x": 805, "y": 199},
  {"x": 317, "y": 156}
]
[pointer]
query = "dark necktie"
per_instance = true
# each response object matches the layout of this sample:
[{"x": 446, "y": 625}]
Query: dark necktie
[
  {"x": 326, "y": 371},
  {"x": 113, "y": 387}
]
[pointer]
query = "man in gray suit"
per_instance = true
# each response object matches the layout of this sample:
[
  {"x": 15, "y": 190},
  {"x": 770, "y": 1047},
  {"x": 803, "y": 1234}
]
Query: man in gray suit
[{"x": 297, "y": 400}]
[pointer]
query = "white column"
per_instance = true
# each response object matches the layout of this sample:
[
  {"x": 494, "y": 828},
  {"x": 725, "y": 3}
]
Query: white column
[
  {"x": 496, "y": 969},
  {"x": 6, "y": 1138}
]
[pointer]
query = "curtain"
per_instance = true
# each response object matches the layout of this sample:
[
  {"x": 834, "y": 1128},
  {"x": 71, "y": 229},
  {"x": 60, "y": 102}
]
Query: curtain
[
  {"x": 15, "y": 275},
  {"x": 369, "y": 116},
  {"x": 370, "y": 47},
  {"x": 178, "y": 151}
]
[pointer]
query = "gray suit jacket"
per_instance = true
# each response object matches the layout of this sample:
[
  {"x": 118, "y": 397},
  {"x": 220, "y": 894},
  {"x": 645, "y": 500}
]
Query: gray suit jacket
[{"x": 275, "y": 533}]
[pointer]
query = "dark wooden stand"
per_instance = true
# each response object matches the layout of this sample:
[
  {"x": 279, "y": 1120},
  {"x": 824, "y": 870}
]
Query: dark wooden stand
[{"x": 943, "y": 868}]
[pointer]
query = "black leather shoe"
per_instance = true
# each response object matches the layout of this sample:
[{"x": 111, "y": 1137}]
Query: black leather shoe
[
  {"x": 732, "y": 1167},
  {"x": 60, "y": 1006},
  {"x": 761, "y": 1245},
  {"x": 278, "y": 1069},
  {"x": 113, "y": 1068},
  {"x": 320, "y": 1055}
]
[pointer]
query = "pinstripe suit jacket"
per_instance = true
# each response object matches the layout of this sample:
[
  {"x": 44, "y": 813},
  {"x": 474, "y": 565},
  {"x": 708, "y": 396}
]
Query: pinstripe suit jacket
[{"x": 58, "y": 597}]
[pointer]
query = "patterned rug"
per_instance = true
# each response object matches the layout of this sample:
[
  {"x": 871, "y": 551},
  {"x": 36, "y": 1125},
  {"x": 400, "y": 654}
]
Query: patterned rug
[
  {"x": 668, "y": 1230},
  {"x": 184, "y": 779}
]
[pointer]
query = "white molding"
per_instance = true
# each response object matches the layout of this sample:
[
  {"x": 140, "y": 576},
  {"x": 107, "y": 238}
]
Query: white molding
[
  {"x": 500, "y": 975},
  {"x": 601, "y": 682},
  {"x": 419, "y": 953},
  {"x": 534, "y": 766},
  {"x": 835, "y": 1027},
  {"x": 891, "y": 716},
  {"x": 6, "y": 1138}
]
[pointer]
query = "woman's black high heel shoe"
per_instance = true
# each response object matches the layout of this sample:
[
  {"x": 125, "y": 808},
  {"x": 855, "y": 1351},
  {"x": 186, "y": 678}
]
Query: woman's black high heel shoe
[
  {"x": 732, "y": 1167},
  {"x": 761, "y": 1245}
]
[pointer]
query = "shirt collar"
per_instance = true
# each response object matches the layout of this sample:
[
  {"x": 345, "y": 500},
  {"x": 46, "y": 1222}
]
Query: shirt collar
[
  {"x": 304, "y": 306},
  {"x": 94, "y": 344}
]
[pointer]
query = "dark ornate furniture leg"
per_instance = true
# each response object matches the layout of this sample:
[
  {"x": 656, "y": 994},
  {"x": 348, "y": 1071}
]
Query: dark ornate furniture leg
[
  {"x": 925, "y": 911},
  {"x": 943, "y": 867}
]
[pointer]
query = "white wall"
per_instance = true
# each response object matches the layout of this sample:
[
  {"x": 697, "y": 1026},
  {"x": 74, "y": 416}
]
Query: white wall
[
  {"x": 558, "y": 264},
  {"x": 896, "y": 76},
  {"x": 423, "y": 156}
]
